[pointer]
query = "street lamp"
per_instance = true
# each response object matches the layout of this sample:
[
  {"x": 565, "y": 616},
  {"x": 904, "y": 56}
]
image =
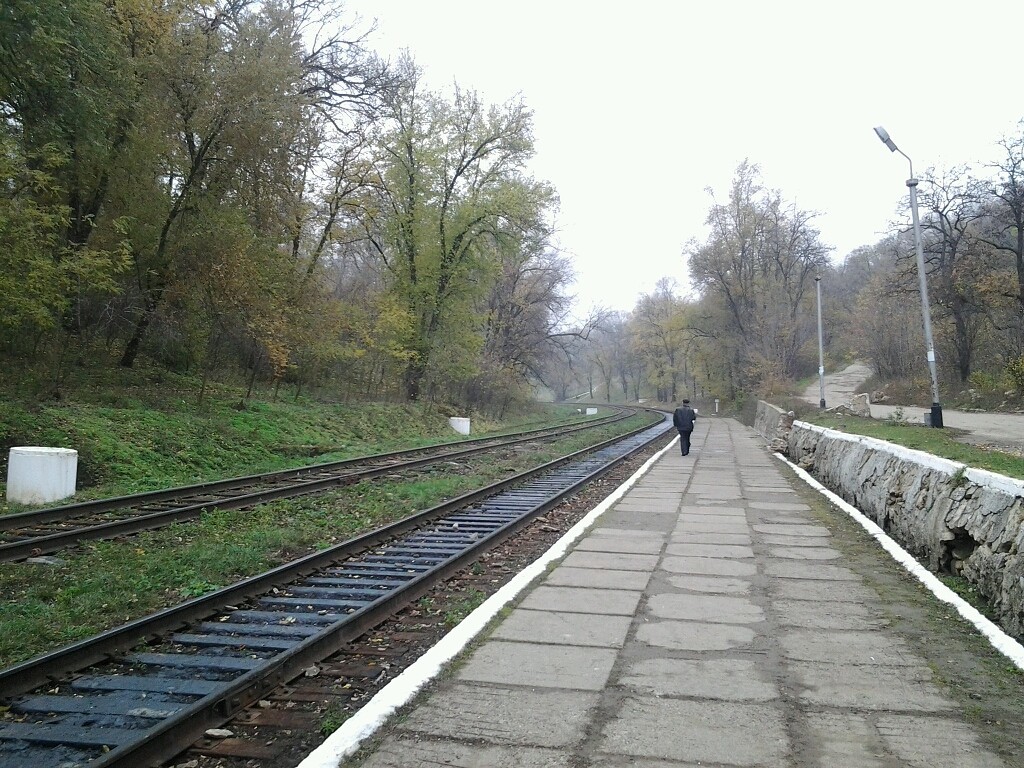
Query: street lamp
[
  {"x": 936, "y": 420},
  {"x": 821, "y": 349}
]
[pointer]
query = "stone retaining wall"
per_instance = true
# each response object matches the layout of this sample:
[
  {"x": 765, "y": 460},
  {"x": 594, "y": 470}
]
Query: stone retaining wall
[
  {"x": 953, "y": 518},
  {"x": 773, "y": 424}
]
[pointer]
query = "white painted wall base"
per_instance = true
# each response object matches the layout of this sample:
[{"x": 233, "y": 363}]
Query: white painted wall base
[{"x": 38, "y": 475}]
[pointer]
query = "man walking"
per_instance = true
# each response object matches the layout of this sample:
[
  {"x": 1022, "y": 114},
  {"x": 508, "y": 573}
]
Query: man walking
[{"x": 683, "y": 418}]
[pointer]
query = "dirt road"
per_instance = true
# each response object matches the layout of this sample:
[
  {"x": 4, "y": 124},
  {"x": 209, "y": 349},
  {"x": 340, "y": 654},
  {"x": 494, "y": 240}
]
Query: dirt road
[{"x": 999, "y": 429}]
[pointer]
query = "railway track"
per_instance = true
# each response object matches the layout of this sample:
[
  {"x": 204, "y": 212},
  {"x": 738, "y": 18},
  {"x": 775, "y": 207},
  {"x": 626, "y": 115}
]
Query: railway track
[
  {"x": 41, "y": 532},
  {"x": 138, "y": 694}
]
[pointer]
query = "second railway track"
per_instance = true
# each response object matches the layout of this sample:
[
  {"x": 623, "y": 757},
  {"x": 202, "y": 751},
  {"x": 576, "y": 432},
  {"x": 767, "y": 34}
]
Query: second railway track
[{"x": 44, "y": 531}]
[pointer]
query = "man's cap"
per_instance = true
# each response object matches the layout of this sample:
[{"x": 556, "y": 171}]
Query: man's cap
[{"x": 685, "y": 401}]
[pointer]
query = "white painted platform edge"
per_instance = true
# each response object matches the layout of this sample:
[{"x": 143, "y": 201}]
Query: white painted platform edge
[
  {"x": 1001, "y": 641},
  {"x": 347, "y": 739},
  {"x": 983, "y": 477}
]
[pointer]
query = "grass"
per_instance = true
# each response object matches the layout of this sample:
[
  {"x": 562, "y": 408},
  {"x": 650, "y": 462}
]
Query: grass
[
  {"x": 135, "y": 446},
  {"x": 461, "y": 608},
  {"x": 103, "y": 584},
  {"x": 939, "y": 442},
  {"x": 333, "y": 718}
]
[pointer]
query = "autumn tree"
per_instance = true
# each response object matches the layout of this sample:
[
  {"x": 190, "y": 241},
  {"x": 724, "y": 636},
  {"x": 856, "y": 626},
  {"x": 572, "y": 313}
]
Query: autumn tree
[
  {"x": 1002, "y": 228},
  {"x": 660, "y": 334},
  {"x": 758, "y": 264},
  {"x": 525, "y": 317},
  {"x": 886, "y": 324},
  {"x": 956, "y": 258},
  {"x": 68, "y": 98},
  {"x": 452, "y": 182}
]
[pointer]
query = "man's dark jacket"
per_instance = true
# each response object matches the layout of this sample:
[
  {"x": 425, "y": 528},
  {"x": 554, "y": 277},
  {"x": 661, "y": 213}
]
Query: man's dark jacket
[{"x": 683, "y": 418}]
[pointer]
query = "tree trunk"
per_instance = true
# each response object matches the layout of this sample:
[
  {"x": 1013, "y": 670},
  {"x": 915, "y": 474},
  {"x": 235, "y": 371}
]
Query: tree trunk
[
  {"x": 131, "y": 349},
  {"x": 415, "y": 373}
]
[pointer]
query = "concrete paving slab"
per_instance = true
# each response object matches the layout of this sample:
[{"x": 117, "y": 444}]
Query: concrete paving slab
[
  {"x": 886, "y": 688},
  {"x": 731, "y": 551},
  {"x": 923, "y": 742},
  {"x": 721, "y": 585},
  {"x": 648, "y": 506},
  {"x": 804, "y": 553},
  {"x": 792, "y": 569},
  {"x": 709, "y": 478},
  {"x": 631, "y": 761},
  {"x": 657, "y": 492},
  {"x": 582, "y": 600},
  {"x": 653, "y": 522},
  {"x": 539, "y": 665},
  {"x": 710, "y": 538},
  {"x": 693, "y": 636},
  {"x": 706, "y": 523},
  {"x": 601, "y": 529},
  {"x": 822, "y": 591},
  {"x": 594, "y": 577},
  {"x": 792, "y": 530},
  {"x": 633, "y": 545},
  {"x": 708, "y": 566},
  {"x": 599, "y": 630},
  {"x": 714, "y": 492},
  {"x": 715, "y": 509},
  {"x": 845, "y": 741},
  {"x": 724, "y": 679},
  {"x": 614, "y": 562},
  {"x": 818, "y": 614},
  {"x": 413, "y": 753},
  {"x": 698, "y": 525},
  {"x": 779, "y": 506},
  {"x": 847, "y": 647},
  {"x": 518, "y": 716},
  {"x": 796, "y": 541},
  {"x": 657, "y": 485},
  {"x": 658, "y": 489},
  {"x": 701, "y": 731},
  {"x": 723, "y": 609}
]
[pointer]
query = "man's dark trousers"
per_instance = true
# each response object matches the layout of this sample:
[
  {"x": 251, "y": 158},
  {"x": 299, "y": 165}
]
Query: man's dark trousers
[
  {"x": 682, "y": 419},
  {"x": 684, "y": 438}
]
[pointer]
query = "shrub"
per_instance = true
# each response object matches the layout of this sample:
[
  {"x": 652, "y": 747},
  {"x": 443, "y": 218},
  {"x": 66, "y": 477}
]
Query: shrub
[
  {"x": 1015, "y": 372},
  {"x": 985, "y": 382}
]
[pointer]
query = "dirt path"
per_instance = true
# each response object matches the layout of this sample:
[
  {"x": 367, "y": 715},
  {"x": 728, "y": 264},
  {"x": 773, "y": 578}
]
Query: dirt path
[
  {"x": 1002, "y": 430},
  {"x": 839, "y": 386}
]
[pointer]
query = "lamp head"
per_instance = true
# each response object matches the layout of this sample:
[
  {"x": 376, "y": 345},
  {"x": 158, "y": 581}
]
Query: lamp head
[{"x": 884, "y": 136}]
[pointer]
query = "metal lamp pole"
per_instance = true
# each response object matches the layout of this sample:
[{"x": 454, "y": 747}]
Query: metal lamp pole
[
  {"x": 821, "y": 349},
  {"x": 936, "y": 415}
]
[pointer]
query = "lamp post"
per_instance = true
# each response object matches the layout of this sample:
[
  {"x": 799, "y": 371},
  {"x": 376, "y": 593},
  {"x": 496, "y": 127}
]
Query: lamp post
[
  {"x": 936, "y": 416},
  {"x": 821, "y": 349}
]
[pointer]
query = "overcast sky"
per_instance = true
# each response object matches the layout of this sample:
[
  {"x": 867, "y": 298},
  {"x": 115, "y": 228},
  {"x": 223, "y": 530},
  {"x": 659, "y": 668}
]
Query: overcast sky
[{"x": 639, "y": 107}]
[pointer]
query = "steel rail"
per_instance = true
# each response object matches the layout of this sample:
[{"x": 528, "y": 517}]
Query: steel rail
[
  {"x": 34, "y": 545},
  {"x": 96, "y": 506},
  {"x": 166, "y": 739},
  {"x": 37, "y": 671}
]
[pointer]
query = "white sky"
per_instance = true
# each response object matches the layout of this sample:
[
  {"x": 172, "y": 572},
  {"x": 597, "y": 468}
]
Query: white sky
[{"x": 639, "y": 107}]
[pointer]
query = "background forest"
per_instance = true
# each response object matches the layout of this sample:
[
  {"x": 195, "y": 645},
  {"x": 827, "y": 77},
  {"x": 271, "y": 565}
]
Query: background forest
[{"x": 242, "y": 191}]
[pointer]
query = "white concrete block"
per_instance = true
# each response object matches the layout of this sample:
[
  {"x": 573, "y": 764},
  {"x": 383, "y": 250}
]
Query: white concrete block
[
  {"x": 459, "y": 424},
  {"x": 38, "y": 475},
  {"x": 591, "y": 411}
]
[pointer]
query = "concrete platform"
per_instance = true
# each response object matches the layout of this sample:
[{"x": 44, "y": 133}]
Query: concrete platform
[{"x": 704, "y": 620}]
